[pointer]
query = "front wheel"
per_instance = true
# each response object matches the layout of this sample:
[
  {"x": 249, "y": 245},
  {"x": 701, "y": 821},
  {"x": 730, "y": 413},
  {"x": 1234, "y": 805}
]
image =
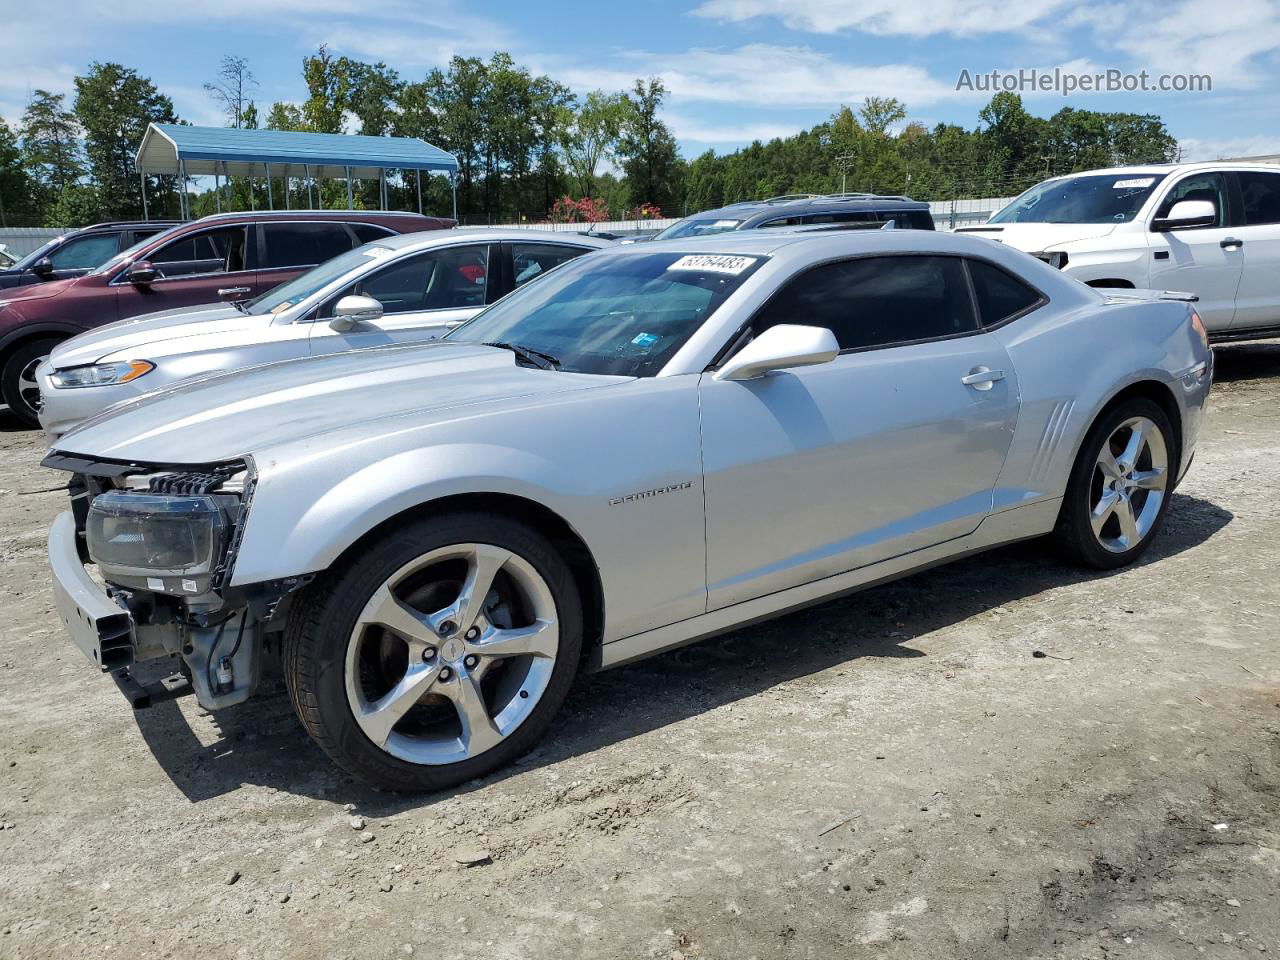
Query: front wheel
[
  {"x": 1119, "y": 489},
  {"x": 18, "y": 379},
  {"x": 438, "y": 654}
]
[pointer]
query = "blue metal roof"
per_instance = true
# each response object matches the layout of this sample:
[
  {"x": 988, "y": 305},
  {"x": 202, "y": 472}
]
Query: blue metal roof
[{"x": 227, "y": 150}]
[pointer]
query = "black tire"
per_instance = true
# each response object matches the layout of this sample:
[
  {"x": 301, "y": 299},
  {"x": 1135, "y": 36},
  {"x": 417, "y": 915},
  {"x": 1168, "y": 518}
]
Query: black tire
[
  {"x": 1074, "y": 532},
  {"x": 324, "y": 616},
  {"x": 11, "y": 377}
]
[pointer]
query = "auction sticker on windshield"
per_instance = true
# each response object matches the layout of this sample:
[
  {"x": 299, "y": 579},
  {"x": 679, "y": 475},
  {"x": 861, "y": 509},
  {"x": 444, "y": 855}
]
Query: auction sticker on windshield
[
  {"x": 1136, "y": 182},
  {"x": 710, "y": 263}
]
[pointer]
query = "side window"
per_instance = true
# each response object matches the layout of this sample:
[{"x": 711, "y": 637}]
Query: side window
[
  {"x": 534, "y": 259},
  {"x": 780, "y": 222},
  {"x": 85, "y": 253},
  {"x": 213, "y": 251},
  {"x": 876, "y": 301},
  {"x": 435, "y": 280},
  {"x": 1261, "y": 195},
  {"x": 1202, "y": 186},
  {"x": 367, "y": 232},
  {"x": 847, "y": 216},
  {"x": 303, "y": 244},
  {"x": 999, "y": 295}
]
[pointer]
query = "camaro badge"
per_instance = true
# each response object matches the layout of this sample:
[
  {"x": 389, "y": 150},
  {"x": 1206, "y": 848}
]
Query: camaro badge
[{"x": 646, "y": 494}]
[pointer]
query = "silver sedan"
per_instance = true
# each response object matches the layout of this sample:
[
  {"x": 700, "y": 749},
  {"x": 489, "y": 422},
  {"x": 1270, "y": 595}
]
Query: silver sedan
[
  {"x": 403, "y": 289},
  {"x": 657, "y": 443}
]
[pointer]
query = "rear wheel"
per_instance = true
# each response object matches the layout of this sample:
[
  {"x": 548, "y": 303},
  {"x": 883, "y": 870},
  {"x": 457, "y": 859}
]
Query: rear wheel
[
  {"x": 439, "y": 654},
  {"x": 1119, "y": 489},
  {"x": 18, "y": 379}
]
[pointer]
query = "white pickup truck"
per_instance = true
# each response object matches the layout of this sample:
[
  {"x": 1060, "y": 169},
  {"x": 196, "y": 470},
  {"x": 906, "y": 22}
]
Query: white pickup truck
[{"x": 1212, "y": 229}]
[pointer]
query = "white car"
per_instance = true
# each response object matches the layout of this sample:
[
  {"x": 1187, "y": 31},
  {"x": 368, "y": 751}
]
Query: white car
[
  {"x": 1212, "y": 229},
  {"x": 402, "y": 289}
]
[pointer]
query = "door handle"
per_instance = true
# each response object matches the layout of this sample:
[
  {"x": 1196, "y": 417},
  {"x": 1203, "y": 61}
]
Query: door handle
[
  {"x": 1229, "y": 242},
  {"x": 232, "y": 291},
  {"x": 982, "y": 378}
]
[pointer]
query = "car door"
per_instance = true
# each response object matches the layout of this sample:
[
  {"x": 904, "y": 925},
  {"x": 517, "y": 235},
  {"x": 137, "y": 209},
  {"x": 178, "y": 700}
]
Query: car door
[
  {"x": 1199, "y": 260},
  {"x": 424, "y": 295},
  {"x": 893, "y": 446},
  {"x": 287, "y": 249},
  {"x": 1257, "y": 227},
  {"x": 201, "y": 267}
]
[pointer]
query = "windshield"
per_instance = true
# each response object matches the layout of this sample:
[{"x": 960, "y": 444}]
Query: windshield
[
  {"x": 128, "y": 254},
  {"x": 37, "y": 254},
  {"x": 1097, "y": 198},
  {"x": 697, "y": 228},
  {"x": 618, "y": 314},
  {"x": 290, "y": 294}
]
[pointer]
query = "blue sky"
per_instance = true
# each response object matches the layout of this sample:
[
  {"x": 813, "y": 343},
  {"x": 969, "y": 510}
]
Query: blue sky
[{"x": 736, "y": 69}]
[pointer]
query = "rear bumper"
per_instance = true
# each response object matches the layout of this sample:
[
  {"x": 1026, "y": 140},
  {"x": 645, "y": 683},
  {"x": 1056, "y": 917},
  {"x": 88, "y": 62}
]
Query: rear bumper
[{"x": 99, "y": 627}]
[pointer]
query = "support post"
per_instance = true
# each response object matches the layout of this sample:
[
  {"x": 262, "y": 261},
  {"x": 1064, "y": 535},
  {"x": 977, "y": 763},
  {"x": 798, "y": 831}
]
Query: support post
[
  {"x": 350, "y": 204},
  {"x": 453, "y": 183},
  {"x": 217, "y": 191},
  {"x": 271, "y": 203},
  {"x": 382, "y": 188},
  {"x": 143, "y": 178},
  {"x": 418, "y": 175},
  {"x": 286, "y": 186},
  {"x": 253, "y": 200},
  {"x": 306, "y": 169},
  {"x": 182, "y": 189}
]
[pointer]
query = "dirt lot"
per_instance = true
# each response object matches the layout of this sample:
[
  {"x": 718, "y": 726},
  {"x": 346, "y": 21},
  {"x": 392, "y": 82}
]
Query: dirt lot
[{"x": 896, "y": 774}]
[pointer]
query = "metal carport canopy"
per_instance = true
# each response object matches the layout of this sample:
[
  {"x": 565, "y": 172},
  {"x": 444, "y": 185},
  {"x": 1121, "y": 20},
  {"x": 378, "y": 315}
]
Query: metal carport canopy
[{"x": 174, "y": 149}]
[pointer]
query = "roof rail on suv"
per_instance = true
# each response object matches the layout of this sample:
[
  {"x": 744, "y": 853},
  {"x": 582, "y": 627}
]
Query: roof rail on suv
[
  {"x": 108, "y": 224},
  {"x": 286, "y": 213}
]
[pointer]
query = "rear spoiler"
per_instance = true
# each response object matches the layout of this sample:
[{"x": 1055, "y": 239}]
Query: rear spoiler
[{"x": 1122, "y": 295}]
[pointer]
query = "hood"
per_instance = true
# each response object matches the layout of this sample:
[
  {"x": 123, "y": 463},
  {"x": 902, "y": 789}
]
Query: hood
[
  {"x": 229, "y": 415},
  {"x": 1035, "y": 237},
  {"x": 137, "y": 334},
  {"x": 41, "y": 291}
]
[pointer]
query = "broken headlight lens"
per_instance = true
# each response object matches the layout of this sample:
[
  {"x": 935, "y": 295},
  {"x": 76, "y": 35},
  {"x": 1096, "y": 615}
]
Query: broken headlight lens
[
  {"x": 169, "y": 544},
  {"x": 101, "y": 374}
]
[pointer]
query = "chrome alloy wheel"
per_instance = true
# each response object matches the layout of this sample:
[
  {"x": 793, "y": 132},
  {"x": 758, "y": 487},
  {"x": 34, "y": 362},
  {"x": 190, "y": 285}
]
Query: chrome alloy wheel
[
  {"x": 1129, "y": 484},
  {"x": 28, "y": 387},
  {"x": 452, "y": 653}
]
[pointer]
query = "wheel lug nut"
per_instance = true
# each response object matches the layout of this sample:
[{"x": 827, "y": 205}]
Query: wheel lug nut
[
  {"x": 473, "y": 633},
  {"x": 471, "y": 661},
  {"x": 446, "y": 673},
  {"x": 429, "y": 653},
  {"x": 448, "y": 628}
]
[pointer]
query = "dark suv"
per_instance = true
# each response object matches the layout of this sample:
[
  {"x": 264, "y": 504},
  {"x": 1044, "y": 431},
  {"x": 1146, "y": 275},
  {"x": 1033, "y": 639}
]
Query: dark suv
[
  {"x": 230, "y": 257},
  {"x": 76, "y": 253},
  {"x": 838, "y": 210}
]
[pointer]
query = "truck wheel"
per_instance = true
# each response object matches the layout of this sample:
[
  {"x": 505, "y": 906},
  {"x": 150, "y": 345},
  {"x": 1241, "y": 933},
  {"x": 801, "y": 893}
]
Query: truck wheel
[
  {"x": 1120, "y": 485},
  {"x": 18, "y": 382},
  {"x": 437, "y": 654}
]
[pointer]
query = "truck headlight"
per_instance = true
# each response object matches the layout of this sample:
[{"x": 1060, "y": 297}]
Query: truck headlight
[
  {"x": 170, "y": 544},
  {"x": 101, "y": 374}
]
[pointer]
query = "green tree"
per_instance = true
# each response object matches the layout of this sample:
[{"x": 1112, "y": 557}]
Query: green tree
[
  {"x": 114, "y": 104},
  {"x": 591, "y": 137},
  {"x": 50, "y": 147},
  {"x": 459, "y": 93},
  {"x": 329, "y": 88},
  {"x": 648, "y": 150},
  {"x": 285, "y": 116},
  {"x": 16, "y": 206}
]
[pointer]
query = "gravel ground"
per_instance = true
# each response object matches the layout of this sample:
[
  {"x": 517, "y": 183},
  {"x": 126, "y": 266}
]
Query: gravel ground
[{"x": 895, "y": 774}]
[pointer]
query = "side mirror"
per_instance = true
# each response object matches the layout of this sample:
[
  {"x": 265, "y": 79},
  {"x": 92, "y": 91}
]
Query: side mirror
[
  {"x": 142, "y": 273},
  {"x": 43, "y": 268},
  {"x": 1186, "y": 214},
  {"x": 352, "y": 310},
  {"x": 780, "y": 348}
]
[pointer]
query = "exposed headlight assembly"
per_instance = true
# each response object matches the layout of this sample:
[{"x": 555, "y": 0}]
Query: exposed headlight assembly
[
  {"x": 166, "y": 544},
  {"x": 101, "y": 374}
]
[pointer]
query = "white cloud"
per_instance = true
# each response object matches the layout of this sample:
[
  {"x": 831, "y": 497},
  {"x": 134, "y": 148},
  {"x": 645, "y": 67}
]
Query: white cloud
[
  {"x": 888, "y": 17},
  {"x": 693, "y": 130}
]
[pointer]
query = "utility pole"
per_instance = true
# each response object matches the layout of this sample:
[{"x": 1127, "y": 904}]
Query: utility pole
[{"x": 844, "y": 161}]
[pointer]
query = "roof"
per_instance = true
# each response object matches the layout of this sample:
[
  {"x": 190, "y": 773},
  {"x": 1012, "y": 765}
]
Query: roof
[
  {"x": 494, "y": 234},
  {"x": 782, "y": 206},
  {"x": 228, "y": 150},
  {"x": 1164, "y": 169}
]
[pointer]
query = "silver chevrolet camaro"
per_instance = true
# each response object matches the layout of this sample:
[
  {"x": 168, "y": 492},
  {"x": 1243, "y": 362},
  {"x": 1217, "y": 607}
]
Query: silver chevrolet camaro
[{"x": 652, "y": 444}]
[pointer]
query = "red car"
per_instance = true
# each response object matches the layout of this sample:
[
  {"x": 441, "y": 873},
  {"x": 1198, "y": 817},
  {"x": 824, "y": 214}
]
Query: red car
[{"x": 230, "y": 256}]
